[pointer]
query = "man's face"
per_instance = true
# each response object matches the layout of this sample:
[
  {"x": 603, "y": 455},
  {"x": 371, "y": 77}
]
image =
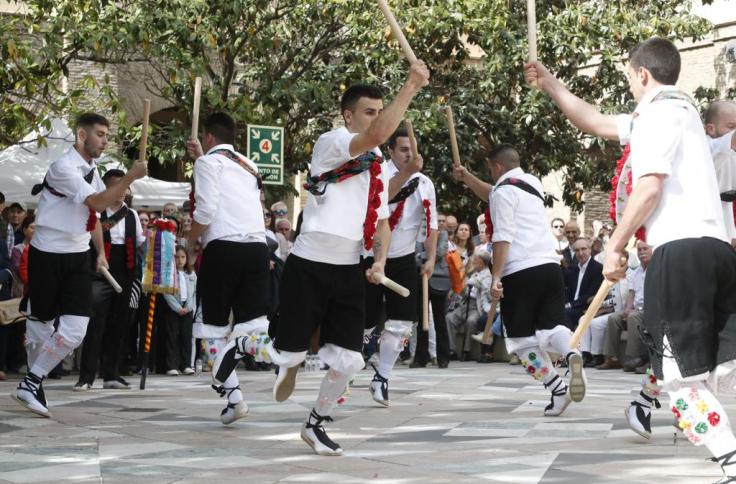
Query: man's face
[
  {"x": 725, "y": 121},
  {"x": 558, "y": 228},
  {"x": 93, "y": 140},
  {"x": 360, "y": 118},
  {"x": 284, "y": 228},
  {"x": 401, "y": 153},
  {"x": 451, "y": 224},
  {"x": 169, "y": 210},
  {"x": 638, "y": 79},
  {"x": 582, "y": 250},
  {"x": 572, "y": 232},
  {"x": 441, "y": 222},
  {"x": 16, "y": 216},
  {"x": 644, "y": 253}
]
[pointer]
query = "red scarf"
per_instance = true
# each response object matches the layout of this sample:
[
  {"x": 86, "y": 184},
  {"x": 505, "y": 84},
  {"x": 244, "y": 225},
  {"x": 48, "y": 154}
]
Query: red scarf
[
  {"x": 374, "y": 202},
  {"x": 641, "y": 232}
]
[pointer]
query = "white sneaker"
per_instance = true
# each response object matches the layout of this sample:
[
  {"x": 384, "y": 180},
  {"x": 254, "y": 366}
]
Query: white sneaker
[
  {"x": 27, "y": 395},
  {"x": 81, "y": 387},
  {"x": 313, "y": 433},
  {"x": 116, "y": 384},
  {"x": 187, "y": 371},
  {"x": 379, "y": 389},
  {"x": 285, "y": 383},
  {"x": 233, "y": 412},
  {"x": 578, "y": 382},
  {"x": 173, "y": 372}
]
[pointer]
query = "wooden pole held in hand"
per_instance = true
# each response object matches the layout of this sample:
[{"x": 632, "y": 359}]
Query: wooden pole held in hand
[
  {"x": 144, "y": 131},
  {"x": 453, "y": 137},
  {"x": 489, "y": 323},
  {"x": 531, "y": 23},
  {"x": 195, "y": 107},
  {"x": 106, "y": 274},
  {"x": 412, "y": 138},
  {"x": 593, "y": 308},
  {"x": 397, "y": 288},
  {"x": 396, "y": 29},
  {"x": 425, "y": 302}
]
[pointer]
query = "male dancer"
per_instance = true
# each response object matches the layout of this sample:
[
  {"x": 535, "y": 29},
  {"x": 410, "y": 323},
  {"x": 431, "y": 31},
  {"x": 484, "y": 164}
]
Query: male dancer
[
  {"x": 234, "y": 272},
  {"x": 59, "y": 266},
  {"x": 691, "y": 280},
  {"x": 527, "y": 276},
  {"x": 122, "y": 235},
  {"x": 413, "y": 207},
  {"x": 322, "y": 283}
]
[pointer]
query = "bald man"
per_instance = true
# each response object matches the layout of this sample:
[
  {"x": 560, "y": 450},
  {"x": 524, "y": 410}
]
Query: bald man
[{"x": 720, "y": 123}]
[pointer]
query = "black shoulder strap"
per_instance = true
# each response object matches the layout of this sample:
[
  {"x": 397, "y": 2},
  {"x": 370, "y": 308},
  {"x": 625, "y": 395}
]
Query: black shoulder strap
[{"x": 516, "y": 182}]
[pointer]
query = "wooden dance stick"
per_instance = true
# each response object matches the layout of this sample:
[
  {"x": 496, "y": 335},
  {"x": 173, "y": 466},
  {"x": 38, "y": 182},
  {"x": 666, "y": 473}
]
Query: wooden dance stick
[
  {"x": 453, "y": 137},
  {"x": 489, "y": 323},
  {"x": 398, "y": 289},
  {"x": 144, "y": 131},
  {"x": 396, "y": 29},
  {"x": 595, "y": 305},
  {"x": 195, "y": 107},
  {"x": 425, "y": 302},
  {"x": 111, "y": 280},
  {"x": 147, "y": 340},
  {"x": 531, "y": 27},
  {"x": 412, "y": 139}
]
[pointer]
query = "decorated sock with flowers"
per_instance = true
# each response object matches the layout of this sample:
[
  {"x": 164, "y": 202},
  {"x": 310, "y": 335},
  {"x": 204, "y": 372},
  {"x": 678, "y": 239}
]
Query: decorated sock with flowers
[{"x": 538, "y": 364}]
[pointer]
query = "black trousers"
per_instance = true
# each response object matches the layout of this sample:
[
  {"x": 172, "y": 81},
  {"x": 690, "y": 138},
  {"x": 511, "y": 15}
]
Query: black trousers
[
  {"x": 439, "y": 308},
  {"x": 178, "y": 340},
  {"x": 106, "y": 329}
]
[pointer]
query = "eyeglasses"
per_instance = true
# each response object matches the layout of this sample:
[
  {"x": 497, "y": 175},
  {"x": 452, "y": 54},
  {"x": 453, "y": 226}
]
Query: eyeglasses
[{"x": 281, "y": 212}]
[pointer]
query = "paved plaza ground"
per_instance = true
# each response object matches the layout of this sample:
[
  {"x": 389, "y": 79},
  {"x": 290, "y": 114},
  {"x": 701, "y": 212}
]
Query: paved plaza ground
[{"x": 468, "y": 423}]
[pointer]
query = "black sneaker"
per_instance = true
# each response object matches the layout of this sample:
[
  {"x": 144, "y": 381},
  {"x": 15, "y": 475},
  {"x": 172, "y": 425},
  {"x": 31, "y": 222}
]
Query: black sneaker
[{"x": 313, "y": 433}]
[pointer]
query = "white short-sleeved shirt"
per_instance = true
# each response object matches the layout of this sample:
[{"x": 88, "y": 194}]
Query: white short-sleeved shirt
[
  {"x": 117, "y": 232},
  {"x": 724, "y": 160},
  {"x": 227, "y": 198},
  {"x": 412, "y": 224},
  {"x": 667, "y": 138},
  {"x": 519, "y": 218},
  {"x": 635, "y": 280},
  {"x": 332, "y": 227},
  {"x": 61, "y": 222}
]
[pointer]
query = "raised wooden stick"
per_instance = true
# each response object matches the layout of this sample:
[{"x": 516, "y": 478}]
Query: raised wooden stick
[
  {"x": 593, "y": 308},
  {"x": 195, "y": 107},
  {"x": 412, "y": 139},
  {"x": 397, "y": 288},
  {"x": 453, "y": 137},
  {"x": 144, "y": 130},
  {"x": 489, "y": 323},
  {"x": 396, "y": 29},
  {"x": 425, "y": 302},
  {"x": 531, "y": 24}
]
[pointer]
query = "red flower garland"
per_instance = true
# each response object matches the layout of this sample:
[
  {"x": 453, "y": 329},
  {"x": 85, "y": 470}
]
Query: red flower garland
[
  {"x": 489, "y": 224},
  {"x": 640, "y": 234},
  {"x": 91, "y": 220},
  {"x": 374, "y": 202},
  {"x": 191, "y": 201},
  {"x": 427, "y": 213},
  {"x": 393, "y": 220},
  {"x": 163, "y": 224}
]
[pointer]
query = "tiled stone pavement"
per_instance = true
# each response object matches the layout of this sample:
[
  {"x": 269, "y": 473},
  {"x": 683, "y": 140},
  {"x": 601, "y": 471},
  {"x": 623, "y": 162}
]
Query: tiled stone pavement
[{"x": 468, "y": 423}]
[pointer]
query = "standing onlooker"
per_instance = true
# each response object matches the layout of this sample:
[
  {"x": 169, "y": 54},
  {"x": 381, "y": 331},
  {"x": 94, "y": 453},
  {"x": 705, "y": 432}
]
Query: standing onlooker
[
  {"x": 279, "y": 210},
  {"x": 169, "y": 210},
  {"x": 441, "y": 222},
  {"x": 558, "y": 230},
  {"x": 179, "y": 318},
  {"x": 186, "y": 226},
  {"x": 14, "y": 234},
  {"x": 286, "y": 241},
  {"x": 464, "y": 243},
  {"x": 19, "y": 256},
  {"x": 450, "y": 225},
  {"x": 572, "y": 232}
]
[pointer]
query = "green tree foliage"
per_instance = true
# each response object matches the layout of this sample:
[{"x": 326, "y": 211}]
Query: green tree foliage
[{"x": 286, "y": 62}]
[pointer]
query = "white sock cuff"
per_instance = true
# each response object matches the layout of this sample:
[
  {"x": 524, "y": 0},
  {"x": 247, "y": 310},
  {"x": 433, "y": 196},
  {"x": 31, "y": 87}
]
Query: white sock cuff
[
  {"x": 37, "y": 332},
  {"x": 286, "y": 359},
  {"x": 399, "y": 327},
  {"x": 254, "y": 326},
  {"x": 72, "y": 329},
  {"x": 341, "y": 359}
]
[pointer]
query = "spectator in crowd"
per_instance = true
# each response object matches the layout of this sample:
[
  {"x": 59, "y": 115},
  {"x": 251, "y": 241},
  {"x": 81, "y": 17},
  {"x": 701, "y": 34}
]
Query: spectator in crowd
[
  {"x": 186, "y": 226},
  {"x": 6, "y": 274},
  {"x": 480, "y": 240},
  {"x": 572, "y": 232},
  {"x": 630, "y": 319},
  {"x": 286, "y": 241},
  {"x": 592, "y": 342},
  {"x": 582, "y": 281},
  {"x": 144, "y": 218},
  {"x": 268, "y": 221},
  {"x": 450, "y": 225},
  {"x": 13, "y": 234},
  {"x": 596, "y": 249},
  {"x": 558, "y": 231},
  {"x": 179, "y": 318},
  {"x": 170, "y": 210},
  {"x": 19, "y": 256},
  {"x": 463, "y": 242},
  {"x": 469, "y": 315},
  {"x": 279, "y": 210},
  {"x": 441, "y": 222}
]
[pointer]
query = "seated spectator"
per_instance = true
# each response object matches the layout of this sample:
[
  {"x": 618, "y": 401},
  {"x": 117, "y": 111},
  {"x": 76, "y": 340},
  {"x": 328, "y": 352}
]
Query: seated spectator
[
  {"x": 279, "y": 210},
  {"x": 630, "y": 319},
  {"x": 179, "y": 318},
  {"x": 582, "y": 281},
  {"x": 596, "y": 250},
  {"x": 286, "y": 242},
  {"x": 593, "y": 339},
  {"x": 572, "y": 233},
  {"x": 474, "y": 303}
]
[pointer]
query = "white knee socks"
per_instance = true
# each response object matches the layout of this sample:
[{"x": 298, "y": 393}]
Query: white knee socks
[{"x": 332, "y": 388}]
